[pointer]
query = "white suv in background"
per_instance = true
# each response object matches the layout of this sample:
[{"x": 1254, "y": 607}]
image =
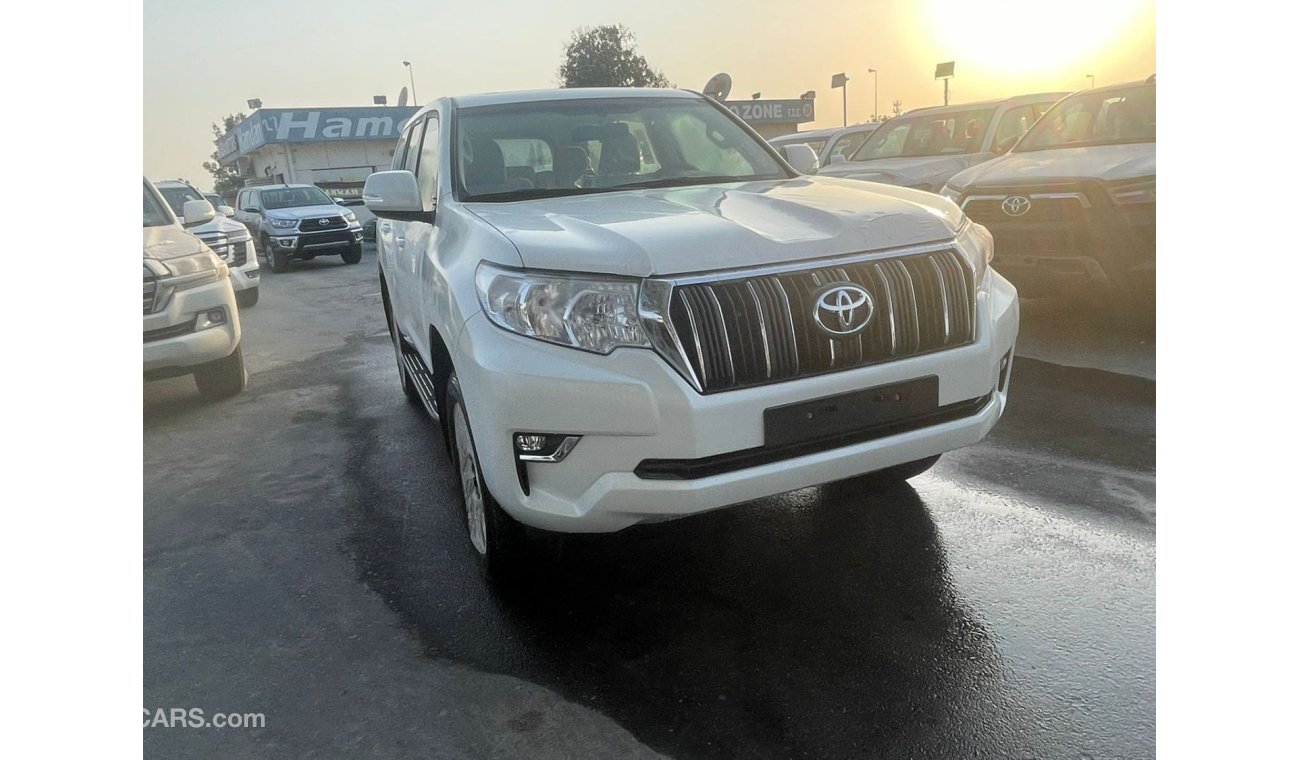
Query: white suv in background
[
  {"x": 226, "y": 237},
  {"x": 624, "y": 306},
  {"x": 191, "y": 322}
]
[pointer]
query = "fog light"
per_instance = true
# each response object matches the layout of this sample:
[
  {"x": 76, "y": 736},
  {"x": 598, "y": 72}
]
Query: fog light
[
  {"x": 1003, "y": 369},
  {"x": 286, "y": 242},
  {"x": 544, "y": 447},
  {"x": 210, "y": 318}
]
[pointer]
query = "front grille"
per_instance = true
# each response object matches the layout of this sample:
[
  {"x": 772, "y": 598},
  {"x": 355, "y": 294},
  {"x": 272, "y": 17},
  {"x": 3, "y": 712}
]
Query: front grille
[
  {"x": 749, "y": 331},
  {"x": 321, "y": 223},
  {"x": 150, "y": 290},
  {"x": 219, "y": 242},
  {"x": 342, "y": 236},
  {"x": 1061, "y": 221}
]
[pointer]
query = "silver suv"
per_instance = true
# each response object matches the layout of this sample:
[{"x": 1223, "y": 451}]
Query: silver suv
[{"x": 298, "y": 222}]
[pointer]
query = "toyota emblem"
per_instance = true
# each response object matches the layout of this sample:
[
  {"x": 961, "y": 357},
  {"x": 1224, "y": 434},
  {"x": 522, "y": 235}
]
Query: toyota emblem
[
  {"x": 842, "y": 309},
  {"x": 1016, "y": 205},
  {"x": 325, "y": 222}
]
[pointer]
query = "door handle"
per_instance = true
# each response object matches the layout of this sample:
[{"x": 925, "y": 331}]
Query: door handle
[
  {"x": 401, "y": 242},
  {"x": 386, "y": 227}
]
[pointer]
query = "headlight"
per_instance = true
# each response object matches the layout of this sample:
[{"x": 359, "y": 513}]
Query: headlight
[
  {"x": 283, "y": 224},
  {"x": 193, "y": 271},
  {"x": 952, "y": 193},
  {"x": 348, "y": 215},
  {"x": 1141, "y": 192},
  {"x": 976, "y": 243},
  {"x": 591, "y": 314},
  {"x": 240, "y": 236}
]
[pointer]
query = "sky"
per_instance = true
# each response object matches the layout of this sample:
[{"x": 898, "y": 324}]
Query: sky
[{"x": 203, "y": 60}]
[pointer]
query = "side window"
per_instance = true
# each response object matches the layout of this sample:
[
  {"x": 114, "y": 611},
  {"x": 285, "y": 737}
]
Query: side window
[
  {"x": 1015, "y": 122},
  {"x": 399, "y": 153},
  {"x": 254, "y": 200},
  {"x": 427, "y": 170},
  {"x": 239, "y": 200},
  {"x": 413, "y": 148}
]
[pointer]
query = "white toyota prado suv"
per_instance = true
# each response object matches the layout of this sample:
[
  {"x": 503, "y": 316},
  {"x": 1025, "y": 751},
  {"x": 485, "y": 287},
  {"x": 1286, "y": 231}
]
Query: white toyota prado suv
[{"x": 623, "y": 305}]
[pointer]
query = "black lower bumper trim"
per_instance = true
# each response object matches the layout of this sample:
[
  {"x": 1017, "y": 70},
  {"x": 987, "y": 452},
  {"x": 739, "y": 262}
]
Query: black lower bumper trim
[{"x": 692, "y": 469}]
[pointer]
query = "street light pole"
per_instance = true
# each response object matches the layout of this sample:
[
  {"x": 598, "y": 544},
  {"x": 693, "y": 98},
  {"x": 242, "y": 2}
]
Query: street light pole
[
  {"x": 842, "y": 81},
  {"x": 875, "y": 102},
  {"x": 411, "y": 71},
  {"x": 1091, "y": 81}
]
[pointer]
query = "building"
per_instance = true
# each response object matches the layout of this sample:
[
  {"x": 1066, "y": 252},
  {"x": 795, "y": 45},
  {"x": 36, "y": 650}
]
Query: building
[
  {"x": 773, "y": 118},
  {"x": 332, "y": 148}
]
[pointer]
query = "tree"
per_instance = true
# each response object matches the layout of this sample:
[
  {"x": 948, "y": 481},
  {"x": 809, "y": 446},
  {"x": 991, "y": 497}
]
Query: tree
[
  {"x": 606, "y": 56},
  {"x": 225, "y": 179}
]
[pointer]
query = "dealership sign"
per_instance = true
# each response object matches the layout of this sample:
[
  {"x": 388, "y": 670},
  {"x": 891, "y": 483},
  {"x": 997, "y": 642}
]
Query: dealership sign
[
  {"x": 772, "y": 111},
  {"x": 293, "y": 125}
]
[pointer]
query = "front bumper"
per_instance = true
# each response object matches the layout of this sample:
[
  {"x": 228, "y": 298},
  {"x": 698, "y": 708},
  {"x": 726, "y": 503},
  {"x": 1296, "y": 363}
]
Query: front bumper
[
  {"x": 303, "y": 244},
  {"x": 631, "y": 406},
  {"x": 185, "y": 347}
]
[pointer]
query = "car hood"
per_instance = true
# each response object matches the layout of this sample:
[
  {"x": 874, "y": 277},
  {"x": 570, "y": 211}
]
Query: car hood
[
  {"x": 712, "y": 227},
  {"x": 169, "y": 241},
  {"x": 1107, "y": 163},
  {"x": 306, "y": 212},
  {"x": 219, "y": 224},
  {"x": 900, "y": 171}
]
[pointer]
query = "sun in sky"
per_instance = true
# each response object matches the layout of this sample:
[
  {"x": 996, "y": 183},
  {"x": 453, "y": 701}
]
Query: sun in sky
[{"x": 1016, "y": 39}]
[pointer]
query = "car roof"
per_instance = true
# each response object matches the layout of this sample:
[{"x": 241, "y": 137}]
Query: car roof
[
  {"x": 810, "y": 134},
  {"x": 567, "y": 93},
  {"x": 1013, "y": 100},
  {"x": 277, "y": 187},
  {"x": 173, "y": 183}
]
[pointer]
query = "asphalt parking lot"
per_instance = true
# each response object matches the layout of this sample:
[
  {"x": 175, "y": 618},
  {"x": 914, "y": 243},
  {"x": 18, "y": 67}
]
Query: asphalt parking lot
[{"x": 305, "y": 559}]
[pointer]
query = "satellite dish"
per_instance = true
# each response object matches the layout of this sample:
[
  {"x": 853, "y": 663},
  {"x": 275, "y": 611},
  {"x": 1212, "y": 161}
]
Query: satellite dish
[
  {"x": 719, "y": 87},
  {"x": 401, "y": 98}
]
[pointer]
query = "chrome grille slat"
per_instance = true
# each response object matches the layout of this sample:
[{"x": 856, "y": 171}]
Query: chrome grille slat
[{"x": 740, "y": 331}]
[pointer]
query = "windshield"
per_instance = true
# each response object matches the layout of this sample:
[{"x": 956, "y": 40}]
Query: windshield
[
  {"x": 154, "y": 215},
  {"x": 1111, "y": 117},
  {"x": 567, "y": 147},
  {"x": 291, "y": 197},
  {"x": 952, "y": 133},
  {"x": 176, "y": 197},
  {"x": 846, "y": 145}
]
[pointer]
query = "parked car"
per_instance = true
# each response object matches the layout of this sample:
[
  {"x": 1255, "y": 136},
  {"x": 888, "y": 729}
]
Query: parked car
[
  {"x": 191, "y": 321},
  {"x": 298, "y": 222},
  {"x": 1073, "y": 204},
  {"x": 623, "y": 305},
  {"x": 830, "y": 145},
  {"x": 226, "y": 237},
  {"x": 813, "y": 138},
  {"x": 922, "y": 149},
  {"x": 219, "y": 204}
]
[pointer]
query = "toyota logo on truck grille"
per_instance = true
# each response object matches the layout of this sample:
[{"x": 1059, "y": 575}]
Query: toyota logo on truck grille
[
  {"x": 1016, "y": 205},
  {"x": 842, "y": 309}
]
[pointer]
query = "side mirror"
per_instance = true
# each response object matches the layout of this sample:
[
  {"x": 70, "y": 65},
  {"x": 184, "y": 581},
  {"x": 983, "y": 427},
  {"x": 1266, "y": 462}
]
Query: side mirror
[
  {"x": 394, "y": 195},
  {"x": 801, "y": 157},
  {"x": 838, "y": 158},
  {"x": 1004, "y": 145},
  {"x": 197, "y": 212},
  {"x": 340, "y": 201},
  {"x": 225, "y": 210}
]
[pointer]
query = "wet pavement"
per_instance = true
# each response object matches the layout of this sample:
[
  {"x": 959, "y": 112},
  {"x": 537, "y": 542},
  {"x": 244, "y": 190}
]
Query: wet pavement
[{"x": 305, "y": 558}]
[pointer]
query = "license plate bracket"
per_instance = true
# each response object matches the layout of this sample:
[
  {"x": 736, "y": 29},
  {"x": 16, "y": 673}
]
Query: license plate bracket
[{"x": 850, "y": 412}]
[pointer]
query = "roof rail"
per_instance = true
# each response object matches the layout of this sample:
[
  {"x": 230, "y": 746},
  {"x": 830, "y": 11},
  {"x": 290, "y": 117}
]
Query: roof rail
[{"x": 1151, "y": 79}]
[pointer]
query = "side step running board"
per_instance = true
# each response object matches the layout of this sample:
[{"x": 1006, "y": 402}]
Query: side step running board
[{"x": 422, "y": 379}]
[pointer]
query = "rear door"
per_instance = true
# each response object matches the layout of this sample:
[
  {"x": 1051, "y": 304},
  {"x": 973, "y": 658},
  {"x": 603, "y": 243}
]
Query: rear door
[{"x": 395, "y": 244}]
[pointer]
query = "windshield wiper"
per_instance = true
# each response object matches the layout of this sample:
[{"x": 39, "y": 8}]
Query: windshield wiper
[
  {"x": 529, "y": 193},
  {"x": 684, "y": 181}
]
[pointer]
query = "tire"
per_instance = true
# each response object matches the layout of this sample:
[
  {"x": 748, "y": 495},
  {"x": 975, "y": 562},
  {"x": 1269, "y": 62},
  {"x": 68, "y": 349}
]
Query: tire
[
  {"x": 222, "y": 378},
  {"x": 496, "y": 538},
  {"x": 247, "y": 299},
  {"x": 353, "y": 255},
  {"x": 275, "y": 261}
]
